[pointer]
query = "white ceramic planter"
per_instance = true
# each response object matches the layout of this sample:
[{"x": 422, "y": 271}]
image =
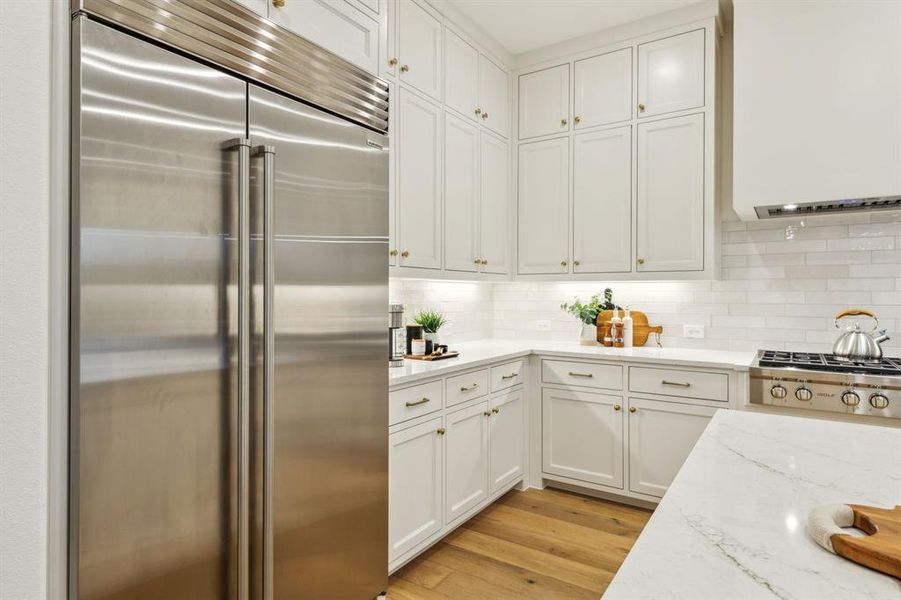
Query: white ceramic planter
[{"x": 588, "y": 335}]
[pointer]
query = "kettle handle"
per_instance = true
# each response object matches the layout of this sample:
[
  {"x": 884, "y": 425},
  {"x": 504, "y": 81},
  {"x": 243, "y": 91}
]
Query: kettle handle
[{"x": 856, "y": 312}]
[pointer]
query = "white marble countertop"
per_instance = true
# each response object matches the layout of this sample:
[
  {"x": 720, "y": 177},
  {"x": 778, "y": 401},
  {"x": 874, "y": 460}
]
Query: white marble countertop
[
  {"x": 733, "y": 524},
  {"x": 482, "y": 352}
]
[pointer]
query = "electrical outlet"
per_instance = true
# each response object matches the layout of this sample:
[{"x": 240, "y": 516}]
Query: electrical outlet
[
  {"x": 692, "y": 331},
  {"x": 542, "y": 325}
]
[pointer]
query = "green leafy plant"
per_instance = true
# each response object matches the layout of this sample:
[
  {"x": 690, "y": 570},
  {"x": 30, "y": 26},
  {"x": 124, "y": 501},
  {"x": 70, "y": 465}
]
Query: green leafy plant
[
  {"x": 588, "y": 312},
  {"x": 431, "y": 320}
]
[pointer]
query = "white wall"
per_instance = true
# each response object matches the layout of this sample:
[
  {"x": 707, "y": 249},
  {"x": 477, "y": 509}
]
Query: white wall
[{"x": 25, "y": 50}]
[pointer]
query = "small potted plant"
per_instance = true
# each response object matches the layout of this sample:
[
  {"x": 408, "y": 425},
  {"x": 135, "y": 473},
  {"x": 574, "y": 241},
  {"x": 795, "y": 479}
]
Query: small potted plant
[
  {"x": 588, "y": 313},
  {"x": 431, "y": 321}
]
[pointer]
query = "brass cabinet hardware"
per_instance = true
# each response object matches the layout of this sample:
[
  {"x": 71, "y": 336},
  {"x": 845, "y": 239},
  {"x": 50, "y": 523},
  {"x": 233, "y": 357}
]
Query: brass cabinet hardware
[
  {"x": 392, "y": 62},
  {"x": 393, "y": 252},
  {"x": 577, "y": 120},
  {"x": 405, "y": 254},
  {"x": 278, "y": 3},
  {"x": 418, "y": 402},
  {"x": 563, "y": 122},
  {"x": 576, "y": 263},
  {"x": 484, "y": 116},
  {"x": 478, "y": 261},
  {"x": 495, "y": 410},
  {"x": 470, "y": 388},
  {"x": 484, "y": 261},
  {"x": 441, "y": 431},
  {"x": 404, "y": 68},
  {"x": 641, "y": 108},
  {"x": 617, "y": 407},
  {"x": 632, "y": 409},
  {"x": 487, "y": 413},
  {"x": 641, "y": 261},
  {"x": 563, "y": 263},
  {"x": 510, "y": 376},
  {"x": 577, "y": 374},
  {"x": 676, "y": 383},
  {"x": 478, "y": 111}
]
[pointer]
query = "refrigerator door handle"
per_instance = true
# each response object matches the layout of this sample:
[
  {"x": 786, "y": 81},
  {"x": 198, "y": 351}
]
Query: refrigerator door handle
[
  {"x": 268, "y": 155},
  {"x": 242, "y": 146}
]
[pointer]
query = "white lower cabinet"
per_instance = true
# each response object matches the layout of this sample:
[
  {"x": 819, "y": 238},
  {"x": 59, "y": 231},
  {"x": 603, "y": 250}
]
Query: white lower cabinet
[
  {"x": 582, "y": 436},
  {"x": 506, "y": 431},
  {"x": 467, "y": 460},
  {"x": 416, "y": 478},
  {"x": 661, "y": 436}
]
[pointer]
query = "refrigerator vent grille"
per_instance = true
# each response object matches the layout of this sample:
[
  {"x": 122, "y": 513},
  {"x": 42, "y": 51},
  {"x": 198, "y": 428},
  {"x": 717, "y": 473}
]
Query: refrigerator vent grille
[{"x": 836, "y": 206}]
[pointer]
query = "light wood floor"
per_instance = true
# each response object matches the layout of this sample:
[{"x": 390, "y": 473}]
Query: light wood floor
[{"x": 532, "y": 544}]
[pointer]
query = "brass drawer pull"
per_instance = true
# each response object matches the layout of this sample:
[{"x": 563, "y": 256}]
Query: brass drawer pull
[
  {"x": 470, "y": 388},
  {"x": 418, "y": 402},
  {"x": 574, "y": 374},
  {"x": 676, "y": 383},
  {"x": 510, "y": 376}
]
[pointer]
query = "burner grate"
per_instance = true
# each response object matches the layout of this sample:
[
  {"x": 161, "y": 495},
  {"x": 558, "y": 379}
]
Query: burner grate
[{"x": 828, "y": 362}]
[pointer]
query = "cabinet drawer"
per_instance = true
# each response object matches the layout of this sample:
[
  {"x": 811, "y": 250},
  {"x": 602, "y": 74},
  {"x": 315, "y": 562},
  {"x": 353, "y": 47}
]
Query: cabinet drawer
[
  {"x": 684, "y": 384},
  {"x": 593, "y": 375},
  {"x": 414, "y": 401},
  {"x": 507, "y": 375},
  {"x": 466, "y": 387}
]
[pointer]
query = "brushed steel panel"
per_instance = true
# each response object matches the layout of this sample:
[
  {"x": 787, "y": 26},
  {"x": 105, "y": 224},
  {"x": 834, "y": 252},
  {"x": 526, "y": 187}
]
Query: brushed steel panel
[
  {"x": 330, "y": 462},
  {"x": 229, "y": 35},
  {"x": 154, "y": 321}
]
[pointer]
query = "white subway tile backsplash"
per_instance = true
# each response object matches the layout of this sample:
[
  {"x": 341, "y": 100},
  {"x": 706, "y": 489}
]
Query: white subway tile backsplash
[
  {"x": 865, "y": 243},
  {"x": 796, "y": 246}
]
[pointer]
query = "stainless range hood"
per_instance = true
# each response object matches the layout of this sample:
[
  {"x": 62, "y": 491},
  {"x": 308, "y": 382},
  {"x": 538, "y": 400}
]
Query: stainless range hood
[{"x": 822, "y": 208}]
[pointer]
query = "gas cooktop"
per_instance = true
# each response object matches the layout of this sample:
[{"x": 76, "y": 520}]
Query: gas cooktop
[{"x": 827, "y": 362}]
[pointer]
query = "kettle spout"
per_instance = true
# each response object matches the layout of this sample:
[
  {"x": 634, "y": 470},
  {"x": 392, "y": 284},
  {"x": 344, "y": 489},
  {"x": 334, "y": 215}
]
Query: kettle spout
[{"x": 881, "y": 337}]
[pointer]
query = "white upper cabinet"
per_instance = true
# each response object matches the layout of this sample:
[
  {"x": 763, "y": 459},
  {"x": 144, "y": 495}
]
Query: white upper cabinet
[
  {"x": 505, "y": 440},
  {"x": 461, "y": 194},
  {"x": 388, "y": 38},
  {"x": 670, "y": 219},
  {"x": 461, "y": 72},
  {"x": 419, "y": 48},
  {"x": 602, "y": 90},
  {"x": 335, "y": 25},
  {"x": 420, "y": 145},
  {"x": 494, "y": 205},
  {"x": 544, "y": 102},
  {"x": 467, "y": 460},
  {"x": 602, "y": 201},
  {"x": 671, "y": 74},
  {"x": 494, "y": 102},
  {"x": 544, "y": 206}
]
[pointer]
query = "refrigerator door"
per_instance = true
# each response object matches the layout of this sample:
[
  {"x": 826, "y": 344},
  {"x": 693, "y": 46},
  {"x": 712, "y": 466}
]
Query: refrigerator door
[
  {"x": 154, "y": 390},
  {"x": 329, "y": 452}
]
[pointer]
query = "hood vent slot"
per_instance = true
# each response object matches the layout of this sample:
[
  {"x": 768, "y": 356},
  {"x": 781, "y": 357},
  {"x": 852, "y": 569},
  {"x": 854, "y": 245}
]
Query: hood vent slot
[{"x": 822, "y": 208}]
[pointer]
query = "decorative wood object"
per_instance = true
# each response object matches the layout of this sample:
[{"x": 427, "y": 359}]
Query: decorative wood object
[
  {"x": 880, "y": 549},
  {"x": 641, "y": 330}
]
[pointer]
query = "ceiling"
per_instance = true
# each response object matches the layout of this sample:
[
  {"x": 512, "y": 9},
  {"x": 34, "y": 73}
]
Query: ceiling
[{"x": 523, "y": 25}]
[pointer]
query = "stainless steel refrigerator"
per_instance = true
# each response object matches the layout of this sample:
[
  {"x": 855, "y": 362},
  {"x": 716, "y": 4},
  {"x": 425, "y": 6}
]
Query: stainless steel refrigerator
[{"x": 228, "y": 340}]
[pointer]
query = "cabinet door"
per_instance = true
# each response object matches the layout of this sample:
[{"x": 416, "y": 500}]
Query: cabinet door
[
  {"x": 261, "y": 7},
  {"x": 393, "y": 252},
  {"x": 467, "y": 460},
  {"x": 671, "y": 74},
  {"x": 494, "y": 244},
  {"x": 493, "y": 96},
  {"x": 419, "y": 147},
  {"x": 461, "y": 76},
  {"x": 419, "y": 48},
  {"x": 582, "y": 436},
  {"x": 544, "y": 206},
  {"x": 661, "y": 436},
  {"x": 544, "y": 102},
  {"x": 461, "y": 194},
  {"x": 335, "y": 25},
  {"x": 602, "y": 201},
  {"x": 603, "y": 89},
  {"x": 505, "y": 440},
  {"x": 388, "y": 38},
  {"x": 670, "y": 211},
  {"x": 416, "y": 474}
]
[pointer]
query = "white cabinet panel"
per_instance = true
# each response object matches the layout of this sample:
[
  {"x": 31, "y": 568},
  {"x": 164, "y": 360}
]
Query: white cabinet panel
[
  {"x": 461, "y": 194},
  {"x": 505, "y": 440},
  {"x": 678, "y": 382},
  {"x": 494, "y": 205},
  {"x": 419, "y": 48},
  {"x": 602, "y": 201},
  {"x": 603, "y": 89},
  {"x": 335, "y": 25},
  {"x": 260, "y": 7},
  {"x": 670, "y": 219},
  {"x": 388, "y": 38},
  {"x": 467, "y": 460},
  {"x": 493, "y": 100},
  {"x": 671, "y": 74},
  {"x": 466, "y": 387},
  {"x": 544, "y": 206},
  {"x": 393, "y": 252},
  {"x": 661, "y": 436},
  {"x": 461, "y": 76},
  {"x": 419, "y": 150},
  {"x": 582, "y": 436},
  {"x": 544, "y": 102},
  {"x": 416, "y": 476}
]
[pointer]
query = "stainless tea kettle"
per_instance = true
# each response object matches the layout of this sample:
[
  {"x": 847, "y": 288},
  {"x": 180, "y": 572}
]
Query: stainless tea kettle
[{"x": 856, "y": 345}]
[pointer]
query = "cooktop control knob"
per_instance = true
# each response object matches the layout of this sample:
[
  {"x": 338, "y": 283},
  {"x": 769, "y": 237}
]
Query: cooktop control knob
[
  {"x": 803, "y": 394},
  {"x": 850, "y": 398},
  {"x": 777, "y": 391},
  {"x": 878, "y": 401}
]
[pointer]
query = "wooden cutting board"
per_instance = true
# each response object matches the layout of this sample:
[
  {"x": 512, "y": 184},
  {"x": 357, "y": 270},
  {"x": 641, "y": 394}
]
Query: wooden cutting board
[
  {"x": 430, "y": 357},
  {"x": 640, "y": 327},
  {"x": 880, "y": 549}
]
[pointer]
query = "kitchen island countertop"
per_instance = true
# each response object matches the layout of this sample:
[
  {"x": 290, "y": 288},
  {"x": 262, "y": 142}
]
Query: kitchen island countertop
[{"x": 733, "y": 523}]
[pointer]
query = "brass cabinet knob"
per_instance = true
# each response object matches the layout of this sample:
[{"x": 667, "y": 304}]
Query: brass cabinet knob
[
  {"x": 441, "y": 431},
  {"x": 391, "y": 62},
  {"x": 563, "y": 263},
  {"x": 478, "y": 261},
  {"x": 641, "y": 108},
  {"x": 617, "y": 407},
  {"x": 478, "y": 111},
  {"x": 577, "y": 120},
  {"x": 278, "y": 3},
  {"x": 393, "y": 252},
  {"x": 405, "y": 254},
  {"x": 576, "y": 263},
  {"x": 632, "y": 409},
  {"x": 641, "y": 261},
  {"x": 484, "y": 116},
  {"x": 484, "y": 261},
  {"x": 563, "y": 122},
  {"x": 404, "y": 68},
  {"x": 487, "y": 413},
  {"x": 495, "y": 410}
]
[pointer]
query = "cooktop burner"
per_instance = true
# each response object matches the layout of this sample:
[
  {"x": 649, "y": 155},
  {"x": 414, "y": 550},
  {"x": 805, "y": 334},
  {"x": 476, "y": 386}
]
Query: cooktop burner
[{"x": 827, "y": 362}]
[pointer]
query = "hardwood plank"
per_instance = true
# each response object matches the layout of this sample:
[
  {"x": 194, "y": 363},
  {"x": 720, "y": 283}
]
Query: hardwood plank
[
  {"x": 545, "y": 505},
  {"x": 424, "y": 572},
  {"x": 593, "y": 505},
  {"x": 401, "y": 589}
]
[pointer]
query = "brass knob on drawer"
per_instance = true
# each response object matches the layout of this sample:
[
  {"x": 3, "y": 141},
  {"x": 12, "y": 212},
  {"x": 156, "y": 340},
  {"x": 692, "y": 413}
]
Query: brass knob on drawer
[
  {"x": 632, "y": 409},
  {"x": 641, "y": 261},
  {"x": 563, "y": 122},
  {"x": 563, "y": 263},
  {"x": 576, "y": 263},
  {"x": 617, "y": 407},
  {"x": 404, "y": 68},
  {"x": 441, "y": 431},
  {"x": 641, "y": 108}
]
